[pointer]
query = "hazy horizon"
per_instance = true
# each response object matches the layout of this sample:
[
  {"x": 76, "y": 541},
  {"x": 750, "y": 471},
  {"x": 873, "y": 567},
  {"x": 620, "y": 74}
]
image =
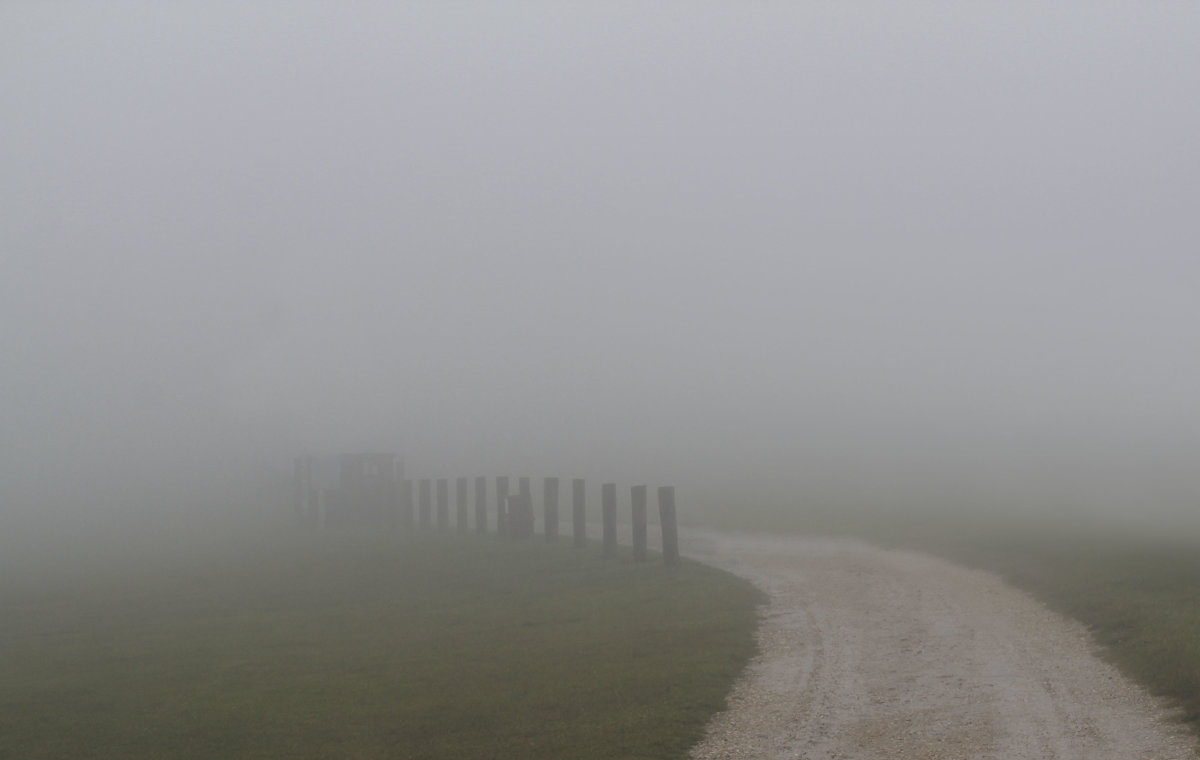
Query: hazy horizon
[{"x": 772, "y": 251}]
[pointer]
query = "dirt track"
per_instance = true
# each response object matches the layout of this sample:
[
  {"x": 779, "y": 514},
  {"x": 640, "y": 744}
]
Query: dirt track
[{"x": 872, "y": 653}]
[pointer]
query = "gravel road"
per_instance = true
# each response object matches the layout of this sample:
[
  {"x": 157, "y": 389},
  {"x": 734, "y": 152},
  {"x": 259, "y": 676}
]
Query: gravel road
[{"x": 874, "y": 653}]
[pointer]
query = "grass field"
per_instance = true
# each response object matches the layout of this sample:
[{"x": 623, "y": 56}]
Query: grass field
[
  {"x": 1139, "y": 593},
  {"x": 364, "y": 647}
]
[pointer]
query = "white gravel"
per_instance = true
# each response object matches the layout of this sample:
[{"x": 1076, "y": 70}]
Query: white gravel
[{"x": 874, "y": 653}]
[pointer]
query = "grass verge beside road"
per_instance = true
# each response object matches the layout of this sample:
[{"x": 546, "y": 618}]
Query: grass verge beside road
[{"x": 366, "y": 647}]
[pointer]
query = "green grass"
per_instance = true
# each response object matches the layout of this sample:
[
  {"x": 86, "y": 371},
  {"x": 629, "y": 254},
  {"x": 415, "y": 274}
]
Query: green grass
[
  {"x": 1138, "y": 593},
  {"x": 365, "y": 647}
]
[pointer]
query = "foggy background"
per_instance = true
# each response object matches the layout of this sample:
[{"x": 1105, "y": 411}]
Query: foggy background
[{"x": 770, "y": 253}]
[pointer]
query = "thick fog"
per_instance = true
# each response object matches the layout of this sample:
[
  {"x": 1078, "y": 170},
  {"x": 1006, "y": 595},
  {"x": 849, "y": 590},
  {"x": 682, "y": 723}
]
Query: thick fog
[{"x": 770, "y": 253}]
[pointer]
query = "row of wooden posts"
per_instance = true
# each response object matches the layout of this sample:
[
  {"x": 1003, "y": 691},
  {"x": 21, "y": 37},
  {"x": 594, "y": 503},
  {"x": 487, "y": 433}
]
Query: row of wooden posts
[{"x": 515, "y": 518}]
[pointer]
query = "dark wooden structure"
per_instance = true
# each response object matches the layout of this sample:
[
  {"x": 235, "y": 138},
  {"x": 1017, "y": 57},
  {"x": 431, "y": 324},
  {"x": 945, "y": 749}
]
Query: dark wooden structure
[{"x": 364, "y": 491}]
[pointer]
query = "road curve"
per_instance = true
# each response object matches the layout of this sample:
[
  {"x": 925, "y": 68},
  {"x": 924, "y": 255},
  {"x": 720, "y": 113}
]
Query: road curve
[{"x": 872, "y": 653}]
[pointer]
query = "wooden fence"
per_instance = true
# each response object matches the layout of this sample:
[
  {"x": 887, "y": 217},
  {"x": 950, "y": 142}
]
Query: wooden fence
[{"x": 392, "y": 504}]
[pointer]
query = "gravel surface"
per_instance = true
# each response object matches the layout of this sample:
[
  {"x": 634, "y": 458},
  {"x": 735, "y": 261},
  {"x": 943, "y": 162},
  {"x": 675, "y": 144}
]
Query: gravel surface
[{"x": 874, "y": 653}]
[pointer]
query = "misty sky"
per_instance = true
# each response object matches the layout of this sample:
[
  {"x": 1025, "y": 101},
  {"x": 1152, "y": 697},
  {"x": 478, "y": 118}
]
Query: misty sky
[{"x": 816, "y": 244}]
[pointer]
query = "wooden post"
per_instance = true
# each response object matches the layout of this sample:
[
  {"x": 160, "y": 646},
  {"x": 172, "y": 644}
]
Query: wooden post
[
  {"x": 425, "y": 503},
  {"x": 443, "y": 505},
  {"x": 578, "y": 513},
  {"x": 460, "y": 504},
  {"x": 608, "y": 505},
  {"x": 481, "y": 504},
  {"x": 670, "y": 530},
  {"x": 550, "y": 507},
  {"x": 501, "y": 505},
  {"x": 638, "y": 499},
  {"x": 406, "y": 502}
]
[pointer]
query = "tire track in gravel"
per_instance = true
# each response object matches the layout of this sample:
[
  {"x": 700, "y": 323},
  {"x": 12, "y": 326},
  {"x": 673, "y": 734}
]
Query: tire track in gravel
[{"x": 874, "y": 653}]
